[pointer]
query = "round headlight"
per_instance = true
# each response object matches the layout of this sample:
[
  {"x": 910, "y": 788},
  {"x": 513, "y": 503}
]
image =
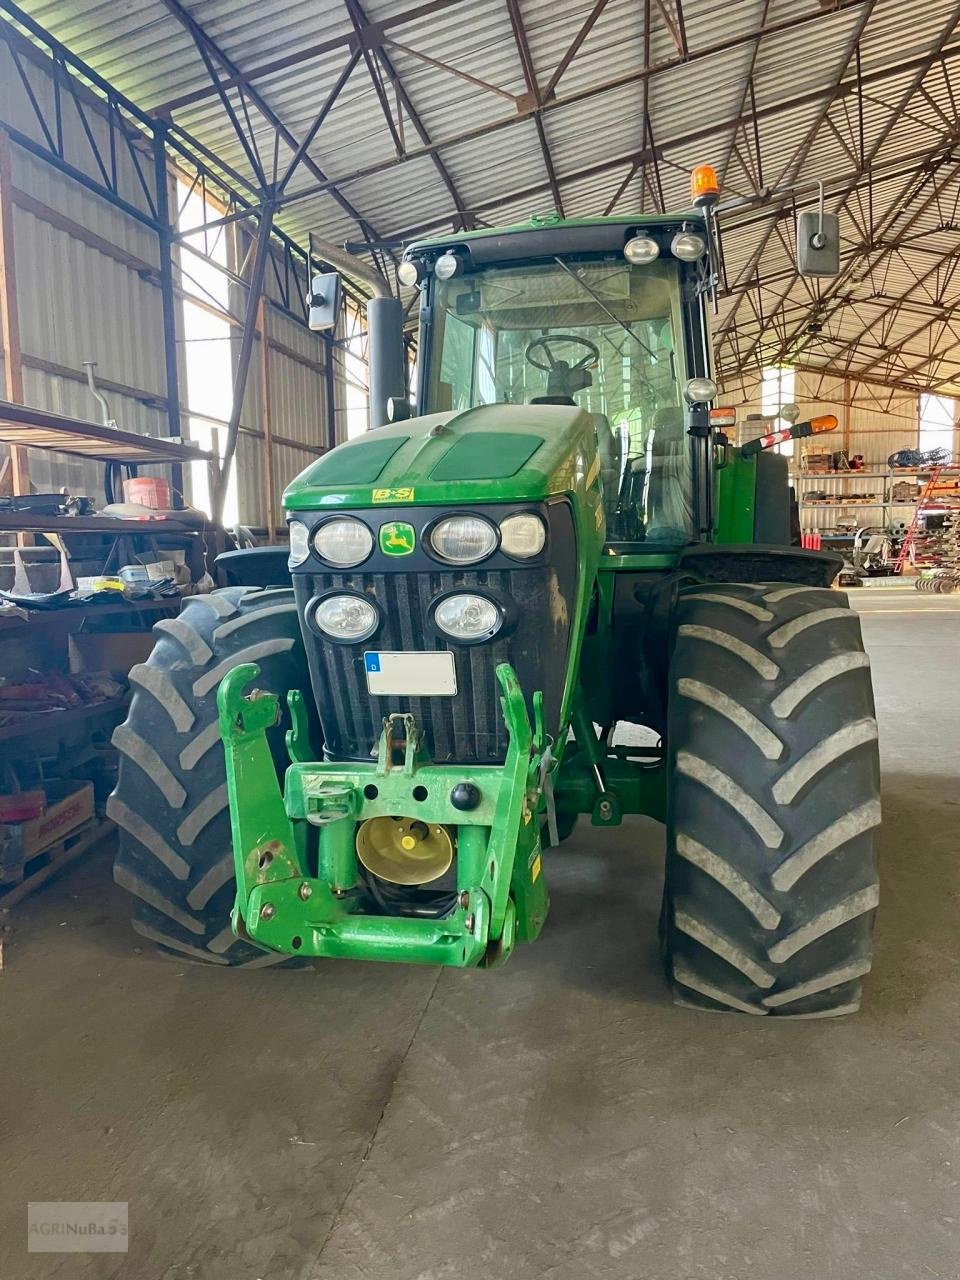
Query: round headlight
[
  {"x": 522, "y": 536},
  {"x": 447, "y": 265},
  {"x": 346, "y": 618},
  {"x": 687, "y": 247},
  {"x": 299, "y": 543},
  {"x": 463, "y": 539},
  {"x": 468, "y": 617},
  {"x": 343, "y": 543},
  {"x": 640, "y": 250},
  {"x": 700, "y": 390},
  {"x": 408, "y": 272}
]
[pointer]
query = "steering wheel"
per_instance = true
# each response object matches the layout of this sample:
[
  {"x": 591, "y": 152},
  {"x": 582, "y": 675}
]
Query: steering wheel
[{"x": 554, "y": 362}]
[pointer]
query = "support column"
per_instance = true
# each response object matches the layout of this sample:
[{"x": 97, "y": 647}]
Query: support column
[
  {"x": 255, "y": 286},
  {"x": 165, "y": 235},
  {"x": 267, "y": 476},
  {"x": 9, "y": 316},
  {"x": 331, "y": 390}
]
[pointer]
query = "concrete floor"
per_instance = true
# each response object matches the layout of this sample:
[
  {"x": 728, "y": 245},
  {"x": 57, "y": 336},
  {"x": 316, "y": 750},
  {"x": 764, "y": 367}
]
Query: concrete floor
[{"x": 560, "y": 1119}]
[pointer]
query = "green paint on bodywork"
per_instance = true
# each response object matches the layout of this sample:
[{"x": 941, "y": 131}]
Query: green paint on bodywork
[
  {"x": 300, "y": 890},
  {"x": 482, "y": 456},
  {"x": 559, "y": 441},
  {"x": 362, "y": 463},
  {"x": 736, "y": 498}
]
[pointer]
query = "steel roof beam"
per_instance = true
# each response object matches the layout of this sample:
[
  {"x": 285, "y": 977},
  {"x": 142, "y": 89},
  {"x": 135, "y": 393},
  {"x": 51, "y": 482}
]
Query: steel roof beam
[
  {"x": 695, "y": 135},
  {"x": 878, "y": 143},
  {"x": 919, "y": 281},
  {"x": 349, "y": 41},
  {"x": 204, "y": 41},
  {"x": 571, "y": 52},
  {"x": 359, "y": 17},
  {"x": 792, "y": 169},
  {"x": 533, "y": 98},
  {"x": 307, "y": 140}
]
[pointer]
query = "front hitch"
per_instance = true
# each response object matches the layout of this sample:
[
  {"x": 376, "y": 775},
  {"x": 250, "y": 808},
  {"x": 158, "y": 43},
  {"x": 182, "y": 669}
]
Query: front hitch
[{"x": 299, "y": 886}]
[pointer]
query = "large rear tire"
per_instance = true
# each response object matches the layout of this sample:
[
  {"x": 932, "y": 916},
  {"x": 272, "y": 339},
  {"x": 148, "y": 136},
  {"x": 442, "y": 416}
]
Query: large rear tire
[
  {"x": 771, "y": 883},
  {"x": 170, "y": 802}
]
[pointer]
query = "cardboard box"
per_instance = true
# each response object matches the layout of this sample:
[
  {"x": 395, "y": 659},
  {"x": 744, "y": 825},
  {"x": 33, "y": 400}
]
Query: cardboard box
[
  {"x": 69, "y": 805},
  {"x": 113, "y": 651}
]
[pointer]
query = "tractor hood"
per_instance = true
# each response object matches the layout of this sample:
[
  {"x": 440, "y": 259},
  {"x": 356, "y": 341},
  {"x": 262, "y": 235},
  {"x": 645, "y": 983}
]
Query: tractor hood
[{"x": 513, "y": 452}]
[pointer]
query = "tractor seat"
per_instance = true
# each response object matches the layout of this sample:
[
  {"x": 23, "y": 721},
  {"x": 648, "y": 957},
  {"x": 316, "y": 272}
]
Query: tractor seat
[
  {"x": 609, "y": 447},
  {"x": 611, "y": 461}
]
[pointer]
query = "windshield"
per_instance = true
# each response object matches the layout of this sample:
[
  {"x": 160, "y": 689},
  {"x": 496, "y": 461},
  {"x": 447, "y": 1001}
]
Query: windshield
[{"x": 601, "y": 334}]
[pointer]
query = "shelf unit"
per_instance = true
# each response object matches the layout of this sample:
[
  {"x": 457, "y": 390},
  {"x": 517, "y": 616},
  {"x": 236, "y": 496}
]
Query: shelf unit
[
  {"x": 811, "y": 511},
  {"x": 22, "y": 426},
  {"x": 82, "y": 612},
  {"x": 51, "y": 724}
]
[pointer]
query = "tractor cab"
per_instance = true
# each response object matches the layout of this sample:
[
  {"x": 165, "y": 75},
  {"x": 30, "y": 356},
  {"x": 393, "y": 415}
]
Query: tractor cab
[{"x": 606, "y": 316}]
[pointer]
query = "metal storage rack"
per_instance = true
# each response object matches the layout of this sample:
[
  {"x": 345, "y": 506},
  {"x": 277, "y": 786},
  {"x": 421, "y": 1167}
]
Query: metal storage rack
[{"x": 810, "y": 510}]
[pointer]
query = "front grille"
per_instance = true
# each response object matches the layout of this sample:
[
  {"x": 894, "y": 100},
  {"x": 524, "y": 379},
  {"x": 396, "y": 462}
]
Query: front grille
[{"x": 466, "y": 728}]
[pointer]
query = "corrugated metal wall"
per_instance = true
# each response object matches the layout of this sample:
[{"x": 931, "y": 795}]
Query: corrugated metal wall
[
  {"x": 88, "y": 289},
  {"x": 75, "y": 301}
]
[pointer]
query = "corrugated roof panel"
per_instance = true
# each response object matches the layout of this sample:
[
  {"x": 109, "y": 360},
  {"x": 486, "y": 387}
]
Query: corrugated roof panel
[
  {"x": 514, "y": 163},
  {"x": 697, "y": 86}
]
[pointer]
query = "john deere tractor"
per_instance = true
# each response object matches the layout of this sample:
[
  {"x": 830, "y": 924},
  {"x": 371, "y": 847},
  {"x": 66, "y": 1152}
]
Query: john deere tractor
[{"x": 549, "y": 591}]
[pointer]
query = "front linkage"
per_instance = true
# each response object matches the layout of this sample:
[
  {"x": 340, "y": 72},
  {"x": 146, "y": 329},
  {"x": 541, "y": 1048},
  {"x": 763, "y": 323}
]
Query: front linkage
[{"x": 303, "y": 897}]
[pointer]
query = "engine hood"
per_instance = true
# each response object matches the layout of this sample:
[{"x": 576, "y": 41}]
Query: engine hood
[{"x": 514, "y": 452}]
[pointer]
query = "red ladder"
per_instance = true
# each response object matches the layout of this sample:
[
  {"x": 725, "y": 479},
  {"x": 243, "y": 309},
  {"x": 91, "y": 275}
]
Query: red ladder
[{"x": 911, "y": 533}]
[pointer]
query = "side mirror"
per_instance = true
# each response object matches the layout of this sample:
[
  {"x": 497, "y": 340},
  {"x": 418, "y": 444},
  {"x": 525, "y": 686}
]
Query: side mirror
[
  {"x": 818, "y": 243},
  {"x": 323, "y": 301}
]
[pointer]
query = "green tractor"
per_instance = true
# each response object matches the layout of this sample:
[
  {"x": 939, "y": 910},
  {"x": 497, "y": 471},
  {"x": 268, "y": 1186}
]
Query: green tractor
[{"x": 550, "y": 590}]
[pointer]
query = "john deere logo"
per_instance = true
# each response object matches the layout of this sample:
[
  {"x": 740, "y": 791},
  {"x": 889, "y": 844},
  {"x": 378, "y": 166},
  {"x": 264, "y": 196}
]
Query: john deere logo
[{"x": 397, "y": 538}]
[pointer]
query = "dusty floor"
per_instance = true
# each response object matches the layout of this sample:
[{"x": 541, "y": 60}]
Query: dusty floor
[{"x": 559, "y": 1119}]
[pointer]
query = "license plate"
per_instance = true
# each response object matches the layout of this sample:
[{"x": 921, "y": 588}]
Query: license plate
[{"x": 411, "y": 675}]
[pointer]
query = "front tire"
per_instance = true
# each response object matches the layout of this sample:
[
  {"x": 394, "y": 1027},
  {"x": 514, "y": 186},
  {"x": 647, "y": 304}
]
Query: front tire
[
  {"x": 170, "y": 803},
  {"x": 771, "y": 878}
]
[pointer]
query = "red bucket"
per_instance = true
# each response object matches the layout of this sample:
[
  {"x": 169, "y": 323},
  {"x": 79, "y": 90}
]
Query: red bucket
[{"x": 148, "y": 491}]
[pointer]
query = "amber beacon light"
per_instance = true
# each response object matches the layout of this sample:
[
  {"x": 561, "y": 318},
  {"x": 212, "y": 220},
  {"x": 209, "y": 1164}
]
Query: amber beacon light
[{"x": 704, "y": 187}]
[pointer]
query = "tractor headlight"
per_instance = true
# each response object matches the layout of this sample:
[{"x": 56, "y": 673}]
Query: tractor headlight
[
  {"x": 446, "y": 266},
  {"x": 299, "y": 543},
  {"x": 344, "y": 543},
  {"x": 349, "y": 618},
  {"x": 468, "y": 617},
  {"x": 408, "y": 272},
  {"x": 699, "y": 390},
  {"x": 688, "y": 247},
  {"x": 641, "y": 250},
  {"x": 463, "y": 539},
  {"x": 522, "y": 536}
]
